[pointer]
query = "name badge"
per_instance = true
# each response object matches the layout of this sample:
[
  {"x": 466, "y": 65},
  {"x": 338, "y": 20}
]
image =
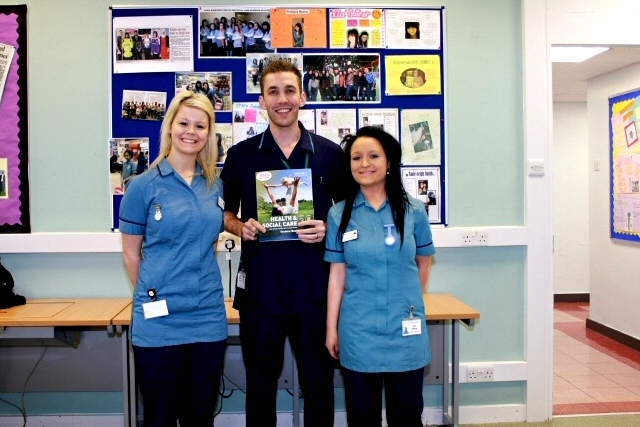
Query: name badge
[
  {"x": 221, "y": 202},
  {"x": 241, "y": 278},
  {"x": 411, "y": 327},
  {"x": 350, "y": 235},
  {"x": 155, "y": 309}
]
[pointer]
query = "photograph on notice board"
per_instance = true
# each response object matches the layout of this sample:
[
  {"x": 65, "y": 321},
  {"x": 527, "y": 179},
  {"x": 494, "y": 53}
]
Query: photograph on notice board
[
  {"x": 413, "y": 75},
  {"x": 354, "y": 28},
  {"x": 420, "y": 137},
  {"x": 329, "y": 121},
  {"x": 383, "y": 118},
  {"x": 341, "y": 78},
  {"x": 412, "y": 29},
  {"x": 215, "y": 85},
  {"x": 256, "y": 62},
  {"x": 147, "y": 44},
  {"x": 423, "y": 183},
  {"x": 249, "y": 119},
  {"x": 224, "y": 139},
  {"x": 142, "y": 105},
  {"x": 128, "y": 157},
  {"x": 4, "y": 179},
  {"x": 308, "y": 119},
  {"x": 299, "y": 28},
  {"x": 232, "y": 33}
]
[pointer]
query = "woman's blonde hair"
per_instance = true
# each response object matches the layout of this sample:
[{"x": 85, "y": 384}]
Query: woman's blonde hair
[{"x": 208, "y": 156}]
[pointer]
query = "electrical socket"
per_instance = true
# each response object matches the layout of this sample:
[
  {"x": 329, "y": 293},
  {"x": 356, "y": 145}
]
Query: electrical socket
[
  {"x": 479, "y": 373},
  {"x": 474, "y": 237}
]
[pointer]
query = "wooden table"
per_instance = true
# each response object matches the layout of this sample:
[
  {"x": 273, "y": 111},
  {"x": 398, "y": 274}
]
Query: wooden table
[
  {"x": 81, "y": 313},
  {"x": 64, "y": 312},
  {"x": 115, "y": 315},
  {"x": 440, "y": 307},
  {"x": 448, "y": 308}
]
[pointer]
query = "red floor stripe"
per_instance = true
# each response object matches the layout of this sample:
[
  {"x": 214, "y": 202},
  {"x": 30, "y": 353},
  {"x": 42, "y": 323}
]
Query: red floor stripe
[
  {"x": 614, "y": 349},
  {"x": 581, "y": 408},
  {"x": 606, "y": 345}
]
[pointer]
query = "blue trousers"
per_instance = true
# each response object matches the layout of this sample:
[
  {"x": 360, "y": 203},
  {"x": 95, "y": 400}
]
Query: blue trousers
[
  {"x": 179, "y": 382},
  {"x": 402, "y": 392},
  {"x": 262, "y": 337}
]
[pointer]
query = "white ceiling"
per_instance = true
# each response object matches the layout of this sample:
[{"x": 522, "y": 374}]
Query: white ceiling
[{"x": 570, "y": 79}]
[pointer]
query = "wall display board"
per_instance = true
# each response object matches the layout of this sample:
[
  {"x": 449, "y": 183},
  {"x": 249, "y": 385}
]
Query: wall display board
[
  {"x": 361, "y": 67},
  {"x": 624, "y": 111},
  {"x": 14, "y": 149}
]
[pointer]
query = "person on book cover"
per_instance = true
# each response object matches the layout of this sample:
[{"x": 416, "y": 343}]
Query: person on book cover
[
  {"x": 277, "y": 299},
  {"x": 289, "y": 204}
]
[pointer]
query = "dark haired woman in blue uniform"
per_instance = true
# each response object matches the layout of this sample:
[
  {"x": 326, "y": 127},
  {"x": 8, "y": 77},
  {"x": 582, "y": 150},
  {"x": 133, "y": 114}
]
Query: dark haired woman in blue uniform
[{"x": 379, "y": 245}]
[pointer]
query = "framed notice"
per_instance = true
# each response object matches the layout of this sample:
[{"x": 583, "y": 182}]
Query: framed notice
[
  {"x": 625, "y": 166},
  {"x": 14, "y": 152}
]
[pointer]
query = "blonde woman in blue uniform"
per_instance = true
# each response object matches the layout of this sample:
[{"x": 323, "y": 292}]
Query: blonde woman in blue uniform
[
  {"x": 170, "y": 218},
  {"x": 379, "y": 245}
]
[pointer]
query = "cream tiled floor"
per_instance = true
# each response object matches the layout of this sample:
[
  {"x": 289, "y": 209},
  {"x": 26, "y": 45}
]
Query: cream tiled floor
[{"x": 592, "y": 374}]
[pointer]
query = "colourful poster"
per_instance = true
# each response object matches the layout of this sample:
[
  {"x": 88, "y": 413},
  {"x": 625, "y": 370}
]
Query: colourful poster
[
  {"x": 413, "y": 75},
  {"x": 625, "y": 167},
  {"x": 299, "y": 27},
  {"x": 353, "y": 28}
]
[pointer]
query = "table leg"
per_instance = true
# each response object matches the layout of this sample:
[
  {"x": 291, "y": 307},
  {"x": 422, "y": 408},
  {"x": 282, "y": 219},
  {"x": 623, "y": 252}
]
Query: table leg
[
  {"x": 128, "y": 380},
  {"x": 455, "y": 370},
  {"x": 446, "y": 417}
]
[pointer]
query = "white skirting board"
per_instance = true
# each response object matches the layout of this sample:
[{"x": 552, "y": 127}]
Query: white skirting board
[{"x": 431, "y": 416}]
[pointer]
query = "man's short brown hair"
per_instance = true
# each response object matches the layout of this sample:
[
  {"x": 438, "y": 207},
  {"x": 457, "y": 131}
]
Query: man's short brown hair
[{"x": 280, "y": 66}]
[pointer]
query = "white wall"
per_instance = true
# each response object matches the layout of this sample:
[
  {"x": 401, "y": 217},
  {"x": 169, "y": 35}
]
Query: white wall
[
  {"x": 615, "y": 267},
  {"x": 570, "y": 199},
  {"x": 615, "y": 270}
]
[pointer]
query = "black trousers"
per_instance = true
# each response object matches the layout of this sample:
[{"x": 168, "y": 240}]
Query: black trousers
[
  {"x": 402, "y": 392},
  {"x": 179, "y": 382},
  {"x": 262, "y": 338}
]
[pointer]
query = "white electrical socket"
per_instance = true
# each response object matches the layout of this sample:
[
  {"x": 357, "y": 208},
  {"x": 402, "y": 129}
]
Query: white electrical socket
[
  {"x": 474, "y": 237},
  {"x": 479, "y": 373}
]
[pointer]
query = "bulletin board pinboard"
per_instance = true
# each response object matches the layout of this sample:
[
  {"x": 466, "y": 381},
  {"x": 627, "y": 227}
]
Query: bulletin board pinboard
[
  {"x": 397, "y": 58},
  {"x": 14, "y": 127},
  {"x": 624, "y": 114}
]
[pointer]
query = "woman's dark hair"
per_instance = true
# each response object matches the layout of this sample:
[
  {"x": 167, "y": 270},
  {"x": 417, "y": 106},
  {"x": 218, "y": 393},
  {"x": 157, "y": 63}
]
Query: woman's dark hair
[{"x": 397, "y": 196}]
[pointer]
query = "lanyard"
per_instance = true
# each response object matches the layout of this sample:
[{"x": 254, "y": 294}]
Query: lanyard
[{"x": 306, "y": 162}]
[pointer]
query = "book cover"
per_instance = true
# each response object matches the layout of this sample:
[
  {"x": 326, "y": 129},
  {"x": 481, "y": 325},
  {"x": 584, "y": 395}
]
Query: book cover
[{"x": 284, "y": 197}]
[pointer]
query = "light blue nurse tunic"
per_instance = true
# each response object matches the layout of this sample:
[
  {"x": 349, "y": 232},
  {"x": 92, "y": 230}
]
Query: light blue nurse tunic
[
  {"x": 180, "y": 224},
  {"x": 382, "y": 283}
]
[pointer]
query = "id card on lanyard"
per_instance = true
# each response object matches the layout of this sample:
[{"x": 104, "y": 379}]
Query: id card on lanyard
[{"x": 411, "y": 325}]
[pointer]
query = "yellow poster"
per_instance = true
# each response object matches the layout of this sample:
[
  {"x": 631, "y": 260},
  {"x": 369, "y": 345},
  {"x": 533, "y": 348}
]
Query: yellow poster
[
  {"x": 297, "y": 27},
  {"x": 413, "y": 75}
]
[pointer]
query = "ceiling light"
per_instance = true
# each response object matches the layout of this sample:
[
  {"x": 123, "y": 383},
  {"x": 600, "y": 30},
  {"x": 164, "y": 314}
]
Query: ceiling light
[{"x": 575, "y": 53}]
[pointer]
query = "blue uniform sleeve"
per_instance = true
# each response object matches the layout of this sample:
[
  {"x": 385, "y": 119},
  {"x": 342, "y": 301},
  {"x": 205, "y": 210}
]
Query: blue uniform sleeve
[
  {"x": 133, "y": 210},
  {"x": 422, "y": 229},
  {"x": 334, "y": 251}
]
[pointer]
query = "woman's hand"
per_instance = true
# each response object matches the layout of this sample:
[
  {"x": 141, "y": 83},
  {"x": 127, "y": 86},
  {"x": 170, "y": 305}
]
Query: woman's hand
[{"x": 332, "y": 343}]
